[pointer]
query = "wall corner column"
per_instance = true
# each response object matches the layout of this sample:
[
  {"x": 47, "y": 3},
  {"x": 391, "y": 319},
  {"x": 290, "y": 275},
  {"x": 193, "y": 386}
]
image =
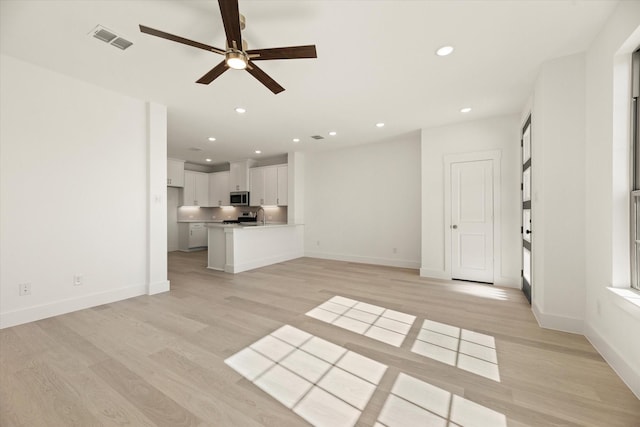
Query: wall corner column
[{"x": 157, "y": 280}]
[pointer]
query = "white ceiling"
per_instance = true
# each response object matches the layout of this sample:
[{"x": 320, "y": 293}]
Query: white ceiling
[{"x": 376, "y": 63}]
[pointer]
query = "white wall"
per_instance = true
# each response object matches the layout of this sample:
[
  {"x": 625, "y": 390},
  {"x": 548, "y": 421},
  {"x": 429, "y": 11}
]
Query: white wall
[
  {"x": 558, "y": 194},
  {"x": 499, "y": 133},
  {"x": 74, "y": 194},
  {"x": 612, "y": 329},
  {"x": 364, "y": 201}
]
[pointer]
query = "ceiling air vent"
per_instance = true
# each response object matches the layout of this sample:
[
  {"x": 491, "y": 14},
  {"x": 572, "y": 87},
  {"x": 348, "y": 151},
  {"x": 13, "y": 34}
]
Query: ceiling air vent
[
  {"x": 317, "y": 136},
  {"x": 110, "y": 37},
  {"x": 121, "y": 43}
]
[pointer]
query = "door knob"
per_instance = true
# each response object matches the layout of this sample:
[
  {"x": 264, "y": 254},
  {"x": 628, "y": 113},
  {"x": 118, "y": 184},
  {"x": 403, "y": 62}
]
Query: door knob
[{"x": 455, "y": 227}]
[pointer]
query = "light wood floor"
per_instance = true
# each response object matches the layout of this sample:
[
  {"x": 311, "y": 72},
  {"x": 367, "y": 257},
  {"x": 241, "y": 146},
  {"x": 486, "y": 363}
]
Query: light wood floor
[{"x": 158, "y": 360}]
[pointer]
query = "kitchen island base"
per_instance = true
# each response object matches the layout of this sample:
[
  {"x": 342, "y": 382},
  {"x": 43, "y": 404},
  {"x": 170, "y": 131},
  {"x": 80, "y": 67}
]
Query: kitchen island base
[{"x": 250, "y": 247}]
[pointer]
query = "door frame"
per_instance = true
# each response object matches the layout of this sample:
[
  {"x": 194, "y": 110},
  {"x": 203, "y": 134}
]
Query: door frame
[
  {"x": 495, "y": 156},
  {"x": 525, "y": 286}
]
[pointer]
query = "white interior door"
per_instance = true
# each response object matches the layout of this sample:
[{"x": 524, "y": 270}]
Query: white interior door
[{"x": 472, "y": 221}]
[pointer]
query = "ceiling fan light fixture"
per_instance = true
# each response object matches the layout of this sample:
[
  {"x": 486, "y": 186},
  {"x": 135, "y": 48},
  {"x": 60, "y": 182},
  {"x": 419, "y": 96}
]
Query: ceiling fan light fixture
[{"x": 236, "y": 60}]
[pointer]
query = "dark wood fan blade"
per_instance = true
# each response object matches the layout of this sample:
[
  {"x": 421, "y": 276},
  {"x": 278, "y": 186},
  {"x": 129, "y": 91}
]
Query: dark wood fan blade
[
  {"x": 264, "y": 78},
  {"x": 231, "y": 21},
  {"x": 179, "y": 39},
  {"x": 291, "y": 52},
  {"x": 214, "y": 73}
]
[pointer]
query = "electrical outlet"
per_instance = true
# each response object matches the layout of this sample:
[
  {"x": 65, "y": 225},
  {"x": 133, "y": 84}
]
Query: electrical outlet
[
  {"x": 318, "y": 243},
  {"x": 395, "y": 250},
  {"x": 77, "y": 280},
  {"x": 24, "y": 289}
]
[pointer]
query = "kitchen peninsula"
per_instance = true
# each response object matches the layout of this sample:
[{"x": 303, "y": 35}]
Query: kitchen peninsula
[{"x": 235, "y": 248}]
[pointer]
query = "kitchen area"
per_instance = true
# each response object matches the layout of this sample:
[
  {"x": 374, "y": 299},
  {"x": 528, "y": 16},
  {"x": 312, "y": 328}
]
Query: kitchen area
[{"x": 237, "y": 211}]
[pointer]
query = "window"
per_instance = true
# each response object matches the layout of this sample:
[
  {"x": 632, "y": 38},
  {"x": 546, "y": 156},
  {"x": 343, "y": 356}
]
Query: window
[{"x": 635, "y": 179}]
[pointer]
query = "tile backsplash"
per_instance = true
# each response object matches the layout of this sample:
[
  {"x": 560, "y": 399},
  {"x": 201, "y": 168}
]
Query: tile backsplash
[{"x": 194, "y": 213}]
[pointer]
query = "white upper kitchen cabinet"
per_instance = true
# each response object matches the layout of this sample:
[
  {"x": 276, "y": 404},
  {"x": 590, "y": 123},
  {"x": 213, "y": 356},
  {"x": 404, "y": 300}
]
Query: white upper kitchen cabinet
[
  {"x": 256, "y": 188},
  {"x": 239, "y": 175},
  {"x": 269, "y": 185},
  {"x": 196, "y": 189},
  {"x": 219, "y": 189},
  {"x": 283, "y": 186},
  {"x": 175, "y": 173}
]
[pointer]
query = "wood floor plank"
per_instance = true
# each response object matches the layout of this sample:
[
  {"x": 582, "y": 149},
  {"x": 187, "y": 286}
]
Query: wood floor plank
[
  {"x": 162, "y": 410},
  {"x": 57, "y": 403}
]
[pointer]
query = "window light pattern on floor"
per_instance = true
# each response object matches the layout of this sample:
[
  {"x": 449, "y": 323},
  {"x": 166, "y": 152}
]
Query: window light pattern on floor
[
  {"x": 379, "y": 323},
  {"x": 468, "y": 350},
  {"x": 324, "y": 383},
  {"x": 417, "y": 403}
]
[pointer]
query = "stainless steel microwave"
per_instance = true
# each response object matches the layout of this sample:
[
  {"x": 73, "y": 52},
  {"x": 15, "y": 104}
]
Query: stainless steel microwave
[{"x": 239, "y": 198}]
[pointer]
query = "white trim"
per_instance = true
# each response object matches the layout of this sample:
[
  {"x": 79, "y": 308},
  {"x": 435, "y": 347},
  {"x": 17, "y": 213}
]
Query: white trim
[
  {"x": 31, "y": 314},
  {"x": 627, "y": 299},
  {"x": 159, "y": 287},
  {"x": 624, "y": 369},
  {"x": 262, "y": 262},
  {"x": 449, "y": 159},
  {"x": 434, "y": 274},
  {"x": 365, "y": 260},
  {"x": 508, "y": 282},
  {"x": 556, "y": 322}
]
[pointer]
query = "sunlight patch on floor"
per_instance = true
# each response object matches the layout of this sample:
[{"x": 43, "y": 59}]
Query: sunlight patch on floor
[
  {"x": 417, "y": 403},
  {"x": 379, "y": 323},
  {"x": 483, "y": 291},
  {"x": 468, "y": 350},
  {"x": 322, "y": 382}
]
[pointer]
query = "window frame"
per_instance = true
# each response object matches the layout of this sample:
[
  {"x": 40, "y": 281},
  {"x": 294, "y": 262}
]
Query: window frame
[{"x": 634, "y": 197}]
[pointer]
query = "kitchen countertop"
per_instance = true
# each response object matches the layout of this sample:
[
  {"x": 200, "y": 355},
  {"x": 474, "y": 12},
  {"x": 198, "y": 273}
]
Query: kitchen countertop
[
  {"x": 201, "y": 220},
  {"x": 249, "y": 225}
]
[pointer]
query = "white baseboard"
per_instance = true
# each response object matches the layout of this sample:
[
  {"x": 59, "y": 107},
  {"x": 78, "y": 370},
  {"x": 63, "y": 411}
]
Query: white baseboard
[
  {"x": 434, "y": 274},
  {"x": 365, "y": 260},
  {"x": 558, "y": 323},
  {"x": 262, "y": 262},
  {"x": 625, "y": 371},
  {"x": 56, "y": 308},
  {"x": 159, "y": 287},
  {"x": 508, "y": 282}
]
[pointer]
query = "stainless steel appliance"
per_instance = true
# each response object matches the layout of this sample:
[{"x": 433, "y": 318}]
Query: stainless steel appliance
[{"x": 239, "y": 198}]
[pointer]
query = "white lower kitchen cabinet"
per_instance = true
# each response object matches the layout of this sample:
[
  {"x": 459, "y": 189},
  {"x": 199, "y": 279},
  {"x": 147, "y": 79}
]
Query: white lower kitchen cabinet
[{"x": 192, "y": 236}]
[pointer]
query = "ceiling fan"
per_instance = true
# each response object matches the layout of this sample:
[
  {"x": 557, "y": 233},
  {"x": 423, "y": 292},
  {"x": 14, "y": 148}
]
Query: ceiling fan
[{"x": 236, "y": 55}]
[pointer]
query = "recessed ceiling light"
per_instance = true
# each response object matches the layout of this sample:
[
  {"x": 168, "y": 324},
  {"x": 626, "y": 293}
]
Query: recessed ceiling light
[
  {"x": 207, "y": 160},
  {"x": 211, "y": 139},
  {"x": 465, "y": 109},
  {"x": 258, "y": 152},
  {"x": 333, "y": 133},
  {"x": 240, "y": 110},
  {"x": 296, "y": 139},
  {"x": 444, "y": 51},
  {"x": 380, "y": 124}
]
